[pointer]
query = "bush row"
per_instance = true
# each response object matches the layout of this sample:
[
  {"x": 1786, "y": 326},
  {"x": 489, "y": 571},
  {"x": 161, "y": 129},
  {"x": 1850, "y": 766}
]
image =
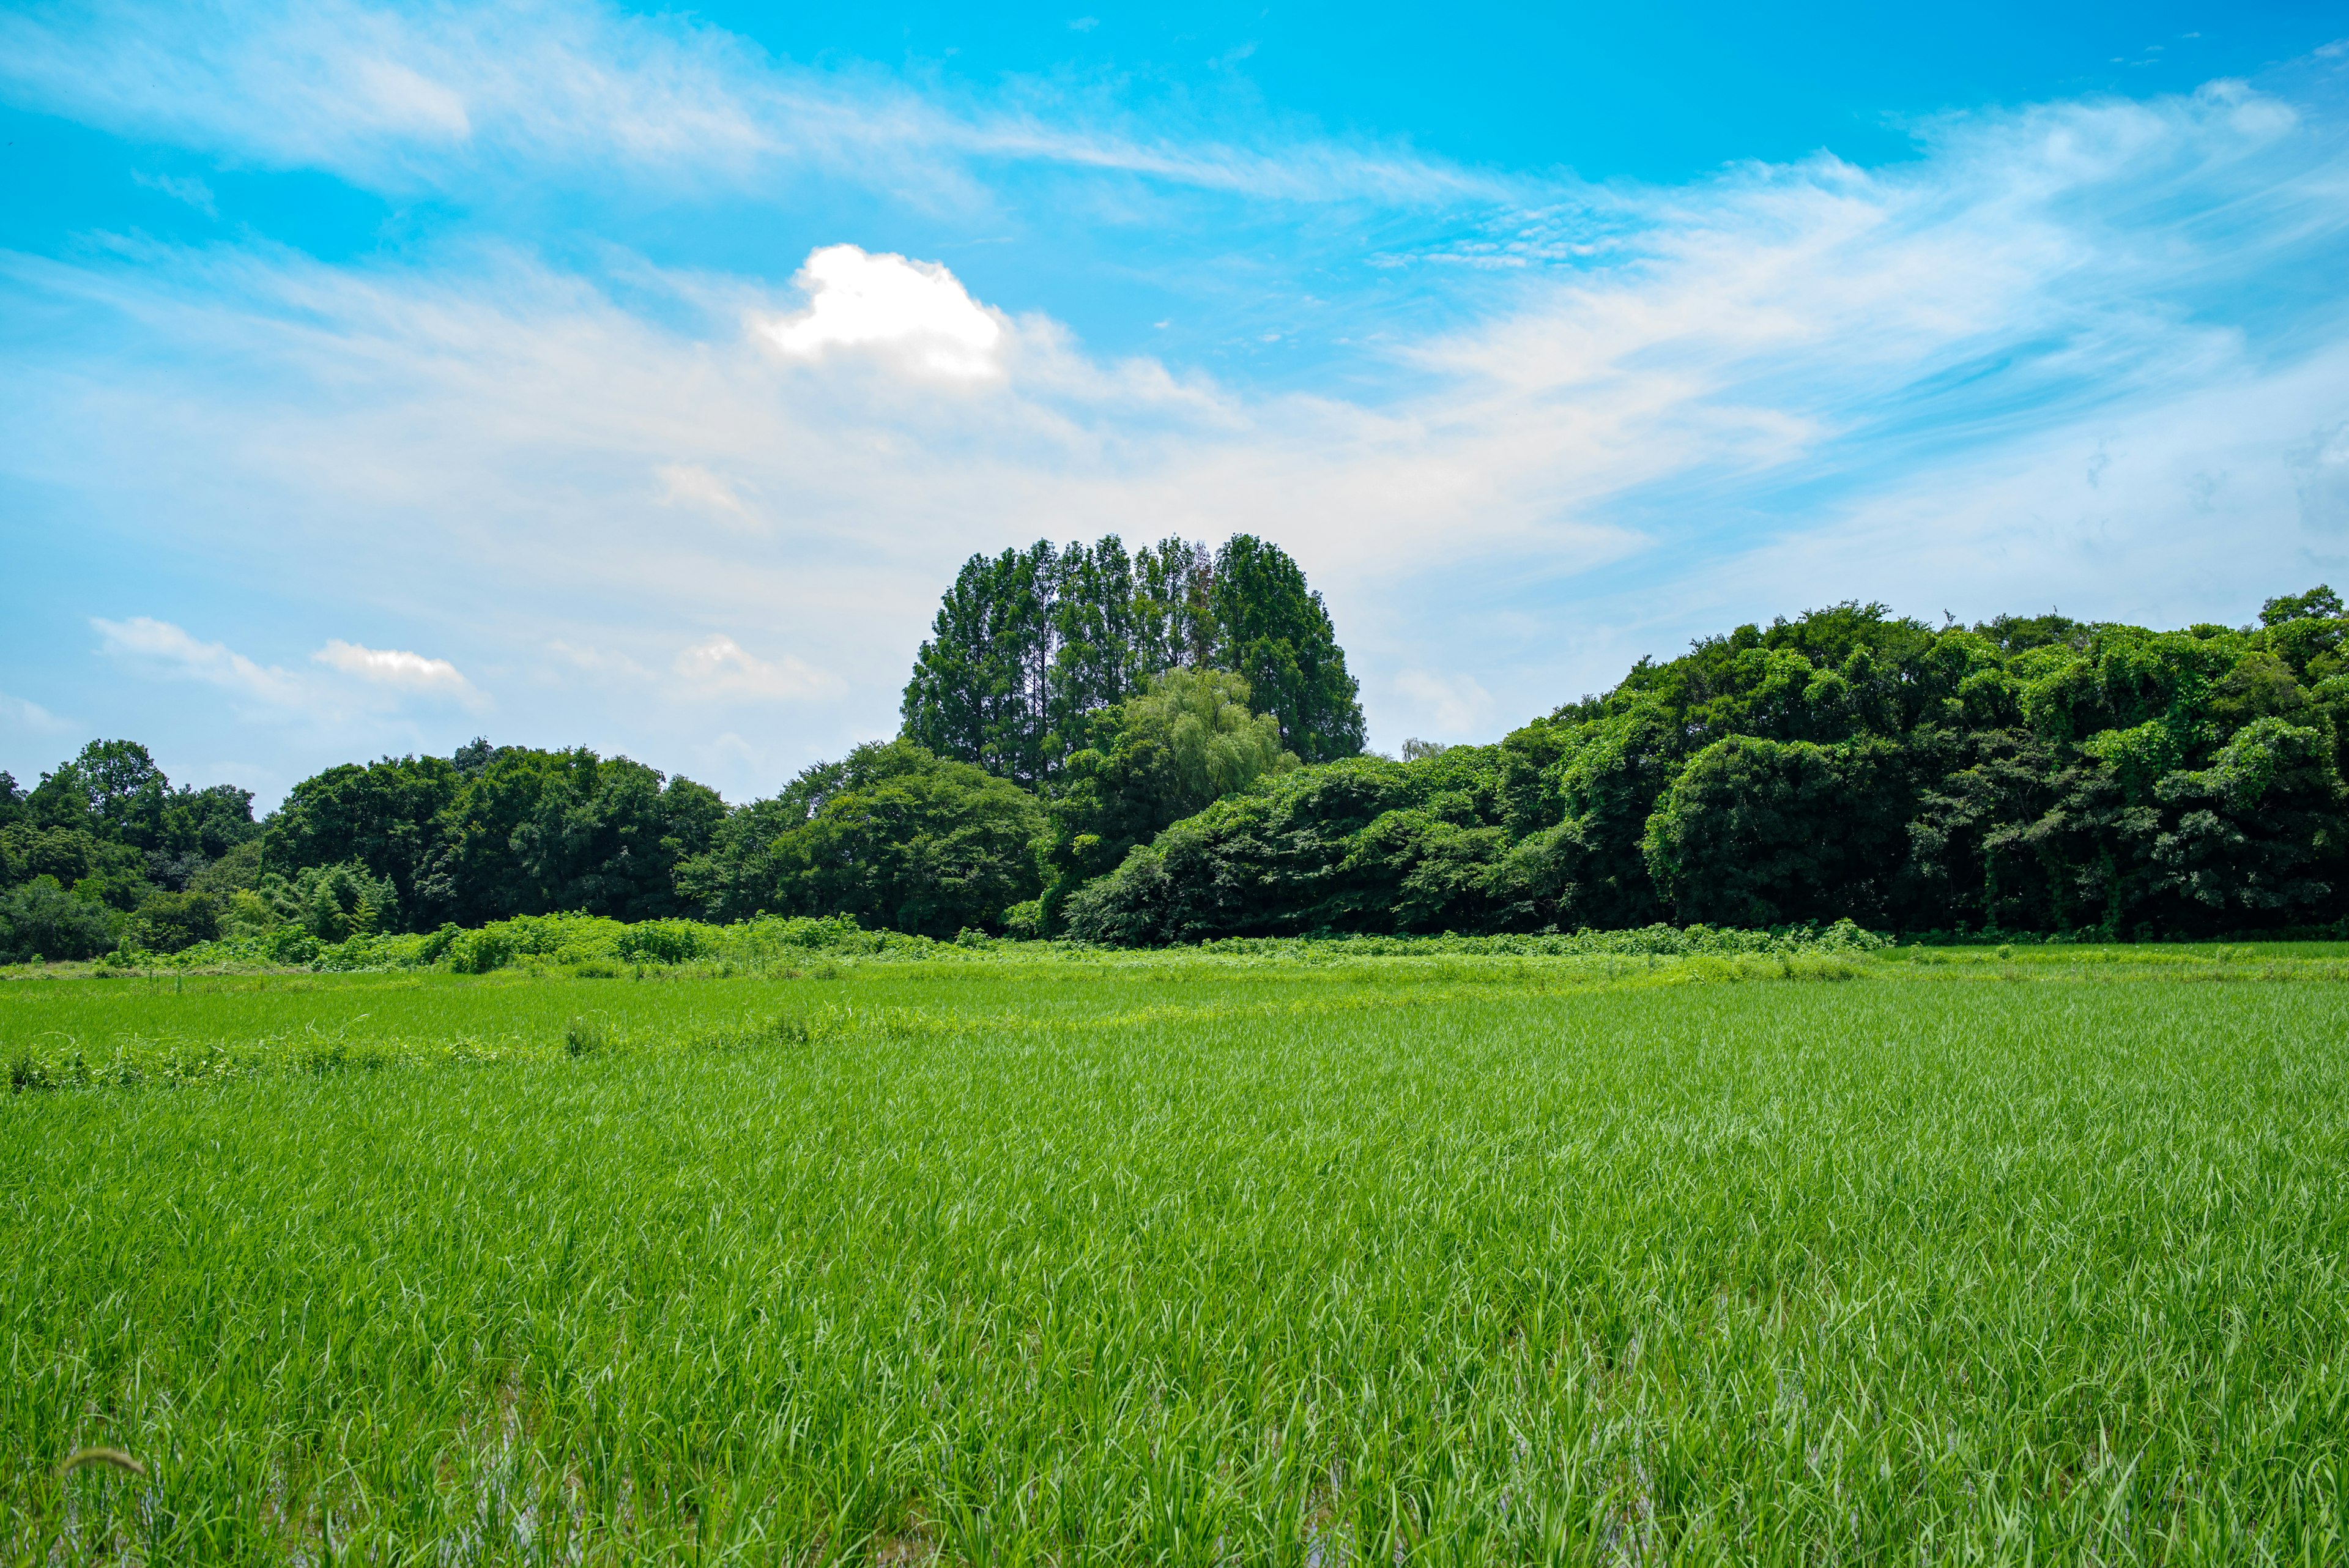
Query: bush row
[{"x": 594, "y": 945}]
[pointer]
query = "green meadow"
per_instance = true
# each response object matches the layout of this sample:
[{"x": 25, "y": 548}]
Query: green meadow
[{"x": 1276, "y": 1255}]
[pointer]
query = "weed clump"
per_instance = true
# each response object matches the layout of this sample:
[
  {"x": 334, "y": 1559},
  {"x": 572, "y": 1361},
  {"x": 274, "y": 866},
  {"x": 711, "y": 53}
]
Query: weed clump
[{"x": 584, "y": 1036}]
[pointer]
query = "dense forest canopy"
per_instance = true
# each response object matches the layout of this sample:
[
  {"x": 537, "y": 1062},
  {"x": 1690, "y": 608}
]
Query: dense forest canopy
[
  {"x": 2031, "y": 774},
  {"x": 1090, "y": 750}
]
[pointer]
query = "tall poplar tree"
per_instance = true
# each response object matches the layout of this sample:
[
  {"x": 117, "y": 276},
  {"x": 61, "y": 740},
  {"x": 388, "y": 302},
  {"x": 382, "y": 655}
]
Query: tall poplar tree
[{"x": 1028, "y": 648}]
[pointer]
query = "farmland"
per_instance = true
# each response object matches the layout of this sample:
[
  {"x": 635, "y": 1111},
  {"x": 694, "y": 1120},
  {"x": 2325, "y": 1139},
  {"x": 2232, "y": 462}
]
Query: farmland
[{"x": 1434, "y": 1256}]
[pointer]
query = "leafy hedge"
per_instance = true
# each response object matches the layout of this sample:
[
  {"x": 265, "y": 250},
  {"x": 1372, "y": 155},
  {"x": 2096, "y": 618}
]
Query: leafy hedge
[{"x": 593, "y": 945}]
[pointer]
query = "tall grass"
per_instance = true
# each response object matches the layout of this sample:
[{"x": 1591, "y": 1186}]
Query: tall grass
[{"x": 1592, "y": 1259}]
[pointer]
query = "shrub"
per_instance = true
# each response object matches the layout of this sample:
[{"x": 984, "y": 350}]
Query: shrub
[
  {"x": 478, "y": 953},
  {"x": 662, "y": 941}
]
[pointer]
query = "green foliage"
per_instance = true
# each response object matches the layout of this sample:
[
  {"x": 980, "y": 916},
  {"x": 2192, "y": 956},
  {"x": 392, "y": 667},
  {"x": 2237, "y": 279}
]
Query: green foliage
[
  {"x": 914, "y": 842},
  {"x": 1763, "y": 833},
  {"x": 1366, "y": 843},
  {"x": 736, "y": 879},
  {"x": 1166, "y": 753},
  {"x": 391, "y": 817},
  {"x": 168, "y": 922},
  {"x": 2256, "y": 831},
  {"x": 113, "y": 790},
  {"x": 1604, "y": 777},
  {"x": 662, "y": 941},
  {"x": 1273, "y": 631},
  {"x": 68, "y": 855},
  {"x": 110, "y": 827},
  {"x": 578, "y": 944},
  {"x": 509, "y": 831},
  {"x": 38, "y": 918},
  {"x": 1030, "y": 648},
  {"x": 334, "y": 903},
  {"x": 2032, "y": 773}
]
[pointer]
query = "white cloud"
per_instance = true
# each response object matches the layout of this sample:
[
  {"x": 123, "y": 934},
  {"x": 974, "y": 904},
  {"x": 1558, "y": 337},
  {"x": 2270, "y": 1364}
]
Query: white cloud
[
  {"x": 399, "y": 669},
  {"x": 914, "y": 310},
  {"x": 407, "y": 99},
  {"x": 188, "y": 188},
  {"x": 2321, "y": 474},
  {"x": 717, "y": 666},
  {"x": 373, "y": 676},
  {"x": 1780, "y": 386},
  {"x": 692, "y": 485},
  {"x": 598, "y": 661},
  {"x": 391, "y": 98},
  {"x": 159, "y": 646},
  {"x": 18, "y": 714}
]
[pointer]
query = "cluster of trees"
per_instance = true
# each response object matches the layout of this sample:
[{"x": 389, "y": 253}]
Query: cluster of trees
[
  {"x": 104, "y": 852},
  {"x": 1031, "y": 647},
  {"x": 498, "y": 831},
  {"x": 2028, "y": 775},
  {"x": 1166, "y": 747},
  {"x": 898, "y": 835}
]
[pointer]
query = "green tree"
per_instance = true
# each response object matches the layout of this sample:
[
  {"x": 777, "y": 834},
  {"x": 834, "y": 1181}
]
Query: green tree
[
  {"x": 40, "y": 920},
  {"x": 168, "y": 922},
  {"x": 1357, "y": 844},
  {"x": 334, "y": 903},
  {"x": 913, "y": 841},
  {"x": 385, "y": 817},
  {"x": 497, "y": 832},
  {"x": 1762, "y": 833},
  {"x": 68, "y": 855},
  {"x": 978, "y": 690},
  {"x": 1273, "y": 631},
  {"x": 1173, "y": 750},
  {"x": 2260, "y": 831}
]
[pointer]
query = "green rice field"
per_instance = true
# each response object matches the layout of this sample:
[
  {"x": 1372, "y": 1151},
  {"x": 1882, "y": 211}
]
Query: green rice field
[{"x": 1958, "y": 1256}]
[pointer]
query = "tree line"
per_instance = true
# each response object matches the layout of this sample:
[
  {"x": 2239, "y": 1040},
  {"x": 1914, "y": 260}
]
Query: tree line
[
  {"x": 2028, "y": 774},
  {"x": 1166, "y": 746}
]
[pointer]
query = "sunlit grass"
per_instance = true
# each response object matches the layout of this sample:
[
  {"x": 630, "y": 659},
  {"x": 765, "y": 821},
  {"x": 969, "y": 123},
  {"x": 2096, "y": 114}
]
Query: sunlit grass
[{"x": 2032, "y": 1256}]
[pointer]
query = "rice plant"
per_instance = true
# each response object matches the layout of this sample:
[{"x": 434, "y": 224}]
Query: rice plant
[{"x": 1193, "y": 1259}]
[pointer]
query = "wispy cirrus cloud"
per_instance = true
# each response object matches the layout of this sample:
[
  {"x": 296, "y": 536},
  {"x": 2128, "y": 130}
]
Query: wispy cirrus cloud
[
  {"x": 713, "y": 668},
  {"x": 410, "y": 97},
  {"x": 691, "y": 485},
  {"x": 2087, "y": 350},
  {"x": 718, "y": 667},
  {"x": 158, "y": 649},
  {"x": 29, "y": 717},
  {"x": 180, "y": 188},
  {"x": 1782, "y": 354}
]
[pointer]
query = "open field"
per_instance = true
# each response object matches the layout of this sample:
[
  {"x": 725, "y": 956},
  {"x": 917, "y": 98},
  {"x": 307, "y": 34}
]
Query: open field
[{"x": 1956, "y": 1256}]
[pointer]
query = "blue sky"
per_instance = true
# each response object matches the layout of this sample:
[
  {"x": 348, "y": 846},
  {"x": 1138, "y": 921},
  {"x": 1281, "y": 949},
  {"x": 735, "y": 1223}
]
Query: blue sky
[{"x": 377, "y": 377}]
